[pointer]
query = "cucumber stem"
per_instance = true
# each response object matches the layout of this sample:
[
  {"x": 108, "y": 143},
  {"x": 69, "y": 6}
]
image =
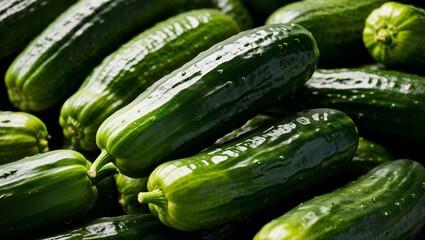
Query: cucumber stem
[
  {"x": 104, "y": 158},
  {"x": 105, "y": 171},
  {"x": 155, "y": 196}
]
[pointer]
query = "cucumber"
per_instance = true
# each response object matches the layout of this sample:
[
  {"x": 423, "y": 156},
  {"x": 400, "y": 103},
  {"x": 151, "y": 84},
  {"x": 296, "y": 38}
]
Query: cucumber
[
  {"x": 57, "y": 61},
  {"x": 128, "y": 71},
  {"x": 388, "y": 202},
  {"x": 386, "y": 101},
  {"x": 21, "y": 134},
  {"x": 121, "y": 227},
  {"x": 43, "y": 190},
  {"x": 369, "y": 154},
  {"x": 394, "y": 34},
  {"x": 220, "y": 89},
  {"x": 336, "y": 25},
  {"x": 249, "y": 173},
  {"x": 250, "y": 125},
  {"x": 128, "y": 188},
  {"x": 23, "y": 20}
]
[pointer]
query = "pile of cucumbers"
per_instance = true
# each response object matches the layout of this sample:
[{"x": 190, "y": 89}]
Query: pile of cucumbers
[{"x": 212, "y": 119}]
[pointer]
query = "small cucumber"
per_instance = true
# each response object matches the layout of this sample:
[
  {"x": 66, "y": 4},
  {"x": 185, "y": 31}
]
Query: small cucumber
[
  {"x": 43, "y": 190},
  {"x": 336, "y": 25},
  {"x": 394, "y": 34},
  {"x": 128, "y": 188},
  {"x": 23, "y": 20},
  {"x": 21, "y": 134},
  {"x": 249, "y": 173},
  {"x": 56, "y": 62},
  {"x": 132, "y": 68},
  {"x": 388, "y": 202},
  {"x": 220, "y": 89}
]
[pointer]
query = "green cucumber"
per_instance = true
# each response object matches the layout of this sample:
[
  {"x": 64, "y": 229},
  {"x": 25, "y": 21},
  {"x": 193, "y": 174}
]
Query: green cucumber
[
  {"x": 250, "y": 125},
  {"x": 121, "y": 227},
  {"x": 209, "y": 96},
  {"x": 23, "y": 20},
  {"x": 21, "y": 134},
  {"x": 336, "y": 25},
  {"x": 128, "y": 71},
  {"x": 251, "y": 172},
  {"x": 388, "y": 202},
  {"x": 57, "y": 61},
  {"x": 387, "y": 101},
  {"x": 369, "y": 154},
  {"x": 128, "y": 188},
  {"x": 43, "y": 190},
  {"x": 394, "y": 34}
]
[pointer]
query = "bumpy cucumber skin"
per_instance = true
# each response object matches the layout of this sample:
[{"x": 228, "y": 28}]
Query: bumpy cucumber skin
[
  {"x": 394, "y": 34},
  {"x": 209, "y": 96},
  {"x": 22, "y": 20},
  {"x": 43, "y": 190},
  {"x": 129, "y": 226},
  {"x": 337, "y": 26},
  {"x": 254, "y": 171},
  {"x": 128, "y": 188},
  {"x": 386, "y": 203},
  {"x": 382, "y": 100},
  {"x": 21, "y": 134},
  {"x": 58, "y": 60},
  {"x": 127, "y": 72}
]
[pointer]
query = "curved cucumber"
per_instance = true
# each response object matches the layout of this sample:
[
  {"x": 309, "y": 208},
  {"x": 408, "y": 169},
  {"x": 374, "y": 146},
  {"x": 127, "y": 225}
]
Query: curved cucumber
[
  {"x": 386, "y": 203},
  {"x": 21, "y": 134},
  {"x": 57, "y": 61},
  {"x": 394, "y": 34},
  {"x": 209, "y": 96},
  {"x": 23, "y": 20},
  {"x": 253, "y": 171},
  {"x": 128, "y": 71}
]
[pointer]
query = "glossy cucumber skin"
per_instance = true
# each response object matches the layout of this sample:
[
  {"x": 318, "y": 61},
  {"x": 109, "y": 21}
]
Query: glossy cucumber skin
[
  {"x": 129, "y": 226},
  {"x": 23, "y": 20},
  {"x": 336, "y": 25},
  {"x": 251, "y": 172},
  {"x": 394, "y": 34},
  {"x": 21, "y": 134},
  {"x": 57, "y": 61},
  {"x": 383, "y": 100},
  {"x": 386, "y": 203},
  {"x": 128, "y": 188},
  {"x": 128, "y": 71},
  {"x": 220, "y": 89},
  {"x": 40, "y": 191}
]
